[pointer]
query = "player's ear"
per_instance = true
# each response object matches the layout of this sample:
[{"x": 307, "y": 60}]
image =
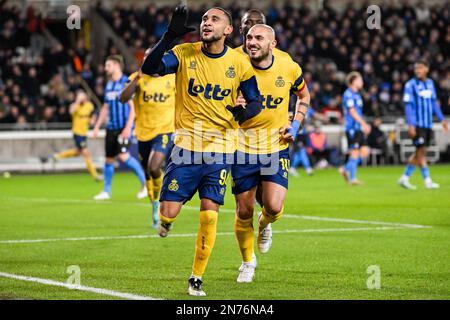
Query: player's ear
[
  {"x": 228, "y": 30},
  {"x": 273, "y": 44}
]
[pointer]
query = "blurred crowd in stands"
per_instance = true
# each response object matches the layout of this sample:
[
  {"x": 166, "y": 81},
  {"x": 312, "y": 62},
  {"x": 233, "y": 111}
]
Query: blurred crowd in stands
[{"x": 37, "y": 82}]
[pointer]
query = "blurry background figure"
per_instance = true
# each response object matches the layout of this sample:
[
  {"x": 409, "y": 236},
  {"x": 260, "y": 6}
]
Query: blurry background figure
[
  {"x": 82, "y": 111},
  {"x": 318, "y": 147},
  {"x": 377, "y": 139}
]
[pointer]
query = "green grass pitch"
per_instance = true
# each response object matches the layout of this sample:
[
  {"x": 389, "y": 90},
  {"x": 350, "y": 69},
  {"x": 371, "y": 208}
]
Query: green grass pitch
[{"x": 309, "y": 259}]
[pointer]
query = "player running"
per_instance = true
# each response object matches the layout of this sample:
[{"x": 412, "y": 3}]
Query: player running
[
  {"x": 118, "y": 129},
  {"x": 265, "y": 137},
  {"x": 82, "y": 111},
  {"x": 356, "y": 128},
  {"x": 154, "y": 103},
  {"x": 208, "y": 76},
  {"x": 420, "y": 105}
]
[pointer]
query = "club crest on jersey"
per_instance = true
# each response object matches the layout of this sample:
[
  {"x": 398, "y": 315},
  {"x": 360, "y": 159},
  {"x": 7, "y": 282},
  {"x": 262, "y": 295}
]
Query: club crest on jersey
[
  {"x": 173, "y": 186},
  {"x": 230, "y": 73},
  {"x": 193, "y": 65},
  {"x": 279, "y": 82},
  {"x": 168, "y": 85},
  {"x": 214, "y": 92}
]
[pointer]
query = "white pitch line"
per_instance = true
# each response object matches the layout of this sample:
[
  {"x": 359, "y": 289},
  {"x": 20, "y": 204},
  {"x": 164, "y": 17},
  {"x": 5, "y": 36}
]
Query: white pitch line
[
  {"x": 49, "y": 282},
  {"x": 186, "y": 235},
  {"x": 290, "y": 216}
]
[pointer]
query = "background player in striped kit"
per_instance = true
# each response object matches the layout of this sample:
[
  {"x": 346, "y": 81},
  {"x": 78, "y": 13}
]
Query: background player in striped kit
[
  {"x": 118, "y": 129},
  {"x": 356, "y": 128},
  {"x": 420, "y": 106}
]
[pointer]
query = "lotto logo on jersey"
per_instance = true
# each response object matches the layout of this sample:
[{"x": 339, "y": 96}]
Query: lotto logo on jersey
[
  {"x": 214, "y": 92},
  {"x": 156, "y": 97},
  {"x": 271, "y": 102}
]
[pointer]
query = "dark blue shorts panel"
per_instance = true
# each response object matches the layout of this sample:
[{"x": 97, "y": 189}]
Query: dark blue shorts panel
[
  {"x": 161, "y": 143},
  {"x": 356, "y": 139},
  {"x": 182, "y": 180},
  {"x": 80, "y": 141},
  {"x": 273, "y": 168}
]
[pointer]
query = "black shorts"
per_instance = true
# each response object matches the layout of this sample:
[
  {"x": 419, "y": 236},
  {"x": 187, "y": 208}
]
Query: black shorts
[
  {"x": 423, "y": 137},
  {"x": 356, "y": 139},
  {"x": 114, "y": 144}
]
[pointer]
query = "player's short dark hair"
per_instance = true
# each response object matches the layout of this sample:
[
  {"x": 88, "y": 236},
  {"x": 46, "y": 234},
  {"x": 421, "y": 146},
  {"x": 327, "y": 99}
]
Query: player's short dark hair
[
  {"x": 257, "y": 11},
  {"x": 423, "y": 62},
  {"x": 117, "y": 58},
  {"x": 230, "y": 18},
  {"x": 352, "y": 76}
]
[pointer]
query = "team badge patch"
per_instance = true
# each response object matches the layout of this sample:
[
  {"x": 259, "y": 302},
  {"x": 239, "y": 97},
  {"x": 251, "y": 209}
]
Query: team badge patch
[
  {"x": 193, "y": 65},
  {"x": 279, "y": 82},
  {"x": 230, "y": 73},
  {"x": 173, "y": 186}
]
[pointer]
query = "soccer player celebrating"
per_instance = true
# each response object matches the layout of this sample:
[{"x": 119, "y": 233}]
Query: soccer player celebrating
[
  {"x": 420, "y": 105},
  {"x": 249, "y": 19},
  {"x": 356, "y": 128},
  {"x": 81, "y": 111},
  {"x": 118, "y": 130},
  {"x": 208, "y": 76},
  {"x": 154, "y": 104},
  {"x": 265, "y": 137}
]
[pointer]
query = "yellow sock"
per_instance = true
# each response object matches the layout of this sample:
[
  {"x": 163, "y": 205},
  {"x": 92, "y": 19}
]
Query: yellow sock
[
  {"x": 205, "y": 241},
  {"x": 149, "y": 184},
  {"x": 67, "y": 154},
  {"x": 243, "y": 228},
  {"x": 90, "y": 166},
  {"x": 157, "y": 184},
  {"x": 267, "y": 218},
  {"x": 165, "y": 220}
]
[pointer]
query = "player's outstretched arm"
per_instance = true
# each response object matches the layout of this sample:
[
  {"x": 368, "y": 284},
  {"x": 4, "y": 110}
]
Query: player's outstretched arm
[
  {"x": 130, "y": 89},
  {"x": 101, "y": 118},
  {"x": 177, "y": 28},
  {"x": 251, "y": 95},
  {"x": 301, "y": 109}
]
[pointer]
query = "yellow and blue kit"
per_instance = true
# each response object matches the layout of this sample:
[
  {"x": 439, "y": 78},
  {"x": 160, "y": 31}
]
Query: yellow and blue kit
[{"x": 80, "y": 123}]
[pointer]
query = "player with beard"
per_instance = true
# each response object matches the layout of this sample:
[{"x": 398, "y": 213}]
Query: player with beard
[
  {"x": 265, "y": 137},
  {"x": 249, "y": 19},
  {"x": 208, "y": 77}
]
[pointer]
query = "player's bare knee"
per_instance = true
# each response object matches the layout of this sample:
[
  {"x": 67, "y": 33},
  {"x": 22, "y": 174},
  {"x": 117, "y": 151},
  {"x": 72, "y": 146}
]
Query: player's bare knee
[
  {"x": 123, "y": 157},
  {"x": 273, "y": 208},
  {"x": 167, "y": 210},
  {"x": 244, "y": 210}
]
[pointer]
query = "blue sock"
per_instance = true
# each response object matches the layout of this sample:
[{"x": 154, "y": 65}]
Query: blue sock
[
  {"x": 304, "y": 159},
  {"x": 351, "y": 167},
  {"x": 134, "y": 165},
  {"x": 409, "y": 170},
  {"x": 425, "y": 172},
  {"x": 295, "y": 159},
  {"x": 108, "y": 172},
  {"x": 360, "y": 159}
]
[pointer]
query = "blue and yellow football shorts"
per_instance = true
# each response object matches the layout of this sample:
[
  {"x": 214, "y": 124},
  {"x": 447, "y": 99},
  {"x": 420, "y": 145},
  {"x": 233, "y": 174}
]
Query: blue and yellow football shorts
[
  {"x": 188, "y": 172},
  {"x": 80, "y": 141},
  {"x": 161, "y": 143},
  {"x": 250, "y": 170}
]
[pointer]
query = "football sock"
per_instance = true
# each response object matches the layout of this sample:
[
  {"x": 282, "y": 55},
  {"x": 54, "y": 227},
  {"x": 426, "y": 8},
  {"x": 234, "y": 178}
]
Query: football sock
[
  {"x": 108, "y": 172},
  {"x": 351, "y": 167},
  {"x": 157, "y": 184},
  {"x": 134, "y": 165},
  {"x": 304, "y": 159},
  {"x": 409, "y": 170},
  {"x": 425, "y": 172},
  {"x": 267, "y": 218},
  {"x": 149, "y": 184},
  {"x": 90, "y": 167},
  {"x": 67, "y": 154},
  {"x": 166, "y": 220},
  {"x": 243, "y": 228},
  {"x": 205, "y": 241}
]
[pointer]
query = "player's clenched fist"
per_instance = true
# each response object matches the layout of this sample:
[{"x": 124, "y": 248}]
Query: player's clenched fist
[{"x": 177, "y": 26}]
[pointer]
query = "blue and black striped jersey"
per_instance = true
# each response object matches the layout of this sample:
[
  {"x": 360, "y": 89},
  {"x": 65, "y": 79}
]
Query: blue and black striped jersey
[{"x": 118, "y": 112}]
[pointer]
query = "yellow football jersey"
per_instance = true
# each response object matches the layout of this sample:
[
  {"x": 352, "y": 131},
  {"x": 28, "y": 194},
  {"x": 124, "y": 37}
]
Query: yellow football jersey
[
  {"x": 276, "y": 52},
  {"x": 205, "y": 85},
  {"x": 154, "y": 103},
  {"x": 81, "y": 118},
  {"x": 260, "y": 135}
]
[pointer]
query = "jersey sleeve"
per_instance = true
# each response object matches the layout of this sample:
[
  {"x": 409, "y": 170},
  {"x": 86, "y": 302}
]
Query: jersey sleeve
[
  {"x": 408, "y": 99},
  {"x": 171, "y": 59},
  {"x": 436, "y": 107},
  {"x": 299, "y": 82},
  {"x": 347, "y": 101},
  {"x": 132, "y": 76},
  {"x": 248, "y": 85}
]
